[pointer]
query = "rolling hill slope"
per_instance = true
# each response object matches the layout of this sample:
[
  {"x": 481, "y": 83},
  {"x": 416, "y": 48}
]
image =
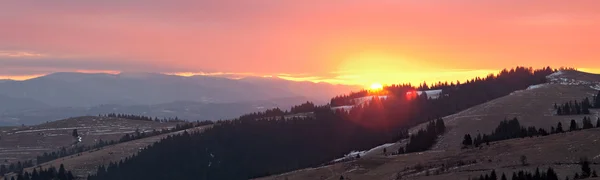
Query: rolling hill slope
[{"x": 533, "y": 107}]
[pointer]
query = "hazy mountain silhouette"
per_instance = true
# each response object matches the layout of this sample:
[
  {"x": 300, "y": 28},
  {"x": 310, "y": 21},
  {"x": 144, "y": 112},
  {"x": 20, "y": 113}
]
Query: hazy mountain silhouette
[
  {"x": 81, "y": 89},
  {"x": 66, "y": 94}
]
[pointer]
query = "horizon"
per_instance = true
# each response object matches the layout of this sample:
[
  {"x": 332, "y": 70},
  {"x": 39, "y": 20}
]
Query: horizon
[
  {"x": 339, "y": 42},
  {"x": 285, "y": 76}
]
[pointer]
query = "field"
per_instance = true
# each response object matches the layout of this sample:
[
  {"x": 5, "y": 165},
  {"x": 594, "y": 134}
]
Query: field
[{"x": 26, "y": 142}]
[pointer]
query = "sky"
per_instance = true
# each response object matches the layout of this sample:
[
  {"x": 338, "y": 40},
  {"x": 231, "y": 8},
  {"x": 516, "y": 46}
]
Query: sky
[{"x": 336, "y": 41}]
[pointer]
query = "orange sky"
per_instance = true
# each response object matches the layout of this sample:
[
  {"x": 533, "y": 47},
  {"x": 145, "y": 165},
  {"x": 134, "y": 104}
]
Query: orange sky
[{"x": 338, "y": 41}]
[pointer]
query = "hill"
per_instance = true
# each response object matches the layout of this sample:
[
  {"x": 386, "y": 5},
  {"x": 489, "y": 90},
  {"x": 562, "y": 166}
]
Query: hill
[
  {"x": 85, "y": 163},
  {"x": 446, "y": 160},
  {"x": 24, "y": 143},
  {"x": 265, "y": 143}
]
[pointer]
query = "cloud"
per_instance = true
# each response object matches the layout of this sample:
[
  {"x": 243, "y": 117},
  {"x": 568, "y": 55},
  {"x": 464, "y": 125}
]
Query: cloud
[
  {"x": 308, "y": 37},
  {"x": 33, "y": 63},
  {"x": 17, "y": 54}
]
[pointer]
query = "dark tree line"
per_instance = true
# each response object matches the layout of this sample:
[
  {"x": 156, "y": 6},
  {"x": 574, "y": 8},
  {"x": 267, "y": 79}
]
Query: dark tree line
[
  {"x": 573, "y": 108},
  {"x": 586, "y": 170},
  {"x": 549, "y": 174},
  {"x": 264, "y": 143},
  {"x": 425, "y": 138},
  {"x": 247, "y": 147},
  {"x": 507, "y": 129},
  {"x": 141, "y": 117},
  {"x": 46, "y": 174},
  {"x": 513, "y": 129},
  {"x": 15, "y": 167},
  {"x": 64, "y": 152},
  {"x": 303, "y": 108}
]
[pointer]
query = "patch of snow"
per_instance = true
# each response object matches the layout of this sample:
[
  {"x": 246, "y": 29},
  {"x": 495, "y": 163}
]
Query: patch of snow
[
  {"x": 362, "y": 100},
  {"x": 596, "y": 87},
  {"x": 357, "y": 101},
  {"x": 299, "y": 115},
  {"x": 536, "y": 86},
  {"x": 344, "y": 108},
  {"x": 433, "y": 94},
  {"x": 353, "y": 154},
  {"x": 558, "y": 73}
]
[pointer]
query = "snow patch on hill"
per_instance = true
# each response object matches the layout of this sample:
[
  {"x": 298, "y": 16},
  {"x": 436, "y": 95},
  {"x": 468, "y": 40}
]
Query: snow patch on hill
[
  {"x": 353, "y": 154},
  {"x": 596, "y": 87},
  {"x": 536, "y": 86},
  {"x": 357, "y": 101},
  {"x": 556, "y": 74},
  {"x": 433, "y": 94}
]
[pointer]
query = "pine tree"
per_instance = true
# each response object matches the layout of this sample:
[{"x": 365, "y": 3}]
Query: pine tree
[
  {"x": 75, "y": 134},
  {"x": 573, "y": 126},
  {"x": 62, "y": 173},
  {"x": 585, "y": 168},
  {"x": 467, "y": 141},
  {"x": 559, "y": 128},
  {"x": 503, "y": 177},
  {"x": 587, "y": 123},
  {"x": 598, "y": 123}
]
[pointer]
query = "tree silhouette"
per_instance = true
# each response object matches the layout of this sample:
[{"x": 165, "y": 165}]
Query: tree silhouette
[
  {"x": 523, "y": 160},
  {"x": 559, "y": 128},
  {"x": 587, "y": 123},
  {"x": 75, "y": 134},
  {"x": 573, "y": 126},
  {"x": 585, "y": 168}
]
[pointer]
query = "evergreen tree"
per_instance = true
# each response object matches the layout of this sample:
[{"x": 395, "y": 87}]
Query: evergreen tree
[
  {"x": 587, "y": 123},
  {"x": 559, "y": 128},
  {"x": 573, "y": 126},
  {"x": 467, "y": 141},
  {"x": 75, "y": 134},
  {"x": 503, "y": 177},
  {"x": 493, "y": 175},
  {"x": 585, "y": 168},
  {"x": 598, "y": 123},
  {"x": 62, "y": 174}
]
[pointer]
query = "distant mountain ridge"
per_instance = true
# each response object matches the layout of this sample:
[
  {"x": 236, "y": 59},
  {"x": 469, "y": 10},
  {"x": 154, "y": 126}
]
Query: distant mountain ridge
[
  {"x": 187, "y": 110},
  {"x": 67, "y": 89},
  {"x": 68, "y": 94}
]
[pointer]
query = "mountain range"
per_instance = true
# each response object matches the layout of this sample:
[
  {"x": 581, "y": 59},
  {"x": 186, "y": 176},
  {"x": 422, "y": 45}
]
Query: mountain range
[{"x": 67, "y": 94}]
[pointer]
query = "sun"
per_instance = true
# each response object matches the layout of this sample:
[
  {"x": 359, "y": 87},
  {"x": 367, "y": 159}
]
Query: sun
[{"x": 376, "y": 87}]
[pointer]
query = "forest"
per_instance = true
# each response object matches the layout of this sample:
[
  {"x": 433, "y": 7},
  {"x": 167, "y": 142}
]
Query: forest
[
  {"x": 46, "y": 174},
  {"x": 264, "y": 143},
  {"x": 510, "y": 129}
]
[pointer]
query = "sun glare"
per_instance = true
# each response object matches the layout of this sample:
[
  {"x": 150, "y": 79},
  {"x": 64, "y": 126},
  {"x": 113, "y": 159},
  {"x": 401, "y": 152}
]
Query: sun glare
[{"x": 376, "y": 87}]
